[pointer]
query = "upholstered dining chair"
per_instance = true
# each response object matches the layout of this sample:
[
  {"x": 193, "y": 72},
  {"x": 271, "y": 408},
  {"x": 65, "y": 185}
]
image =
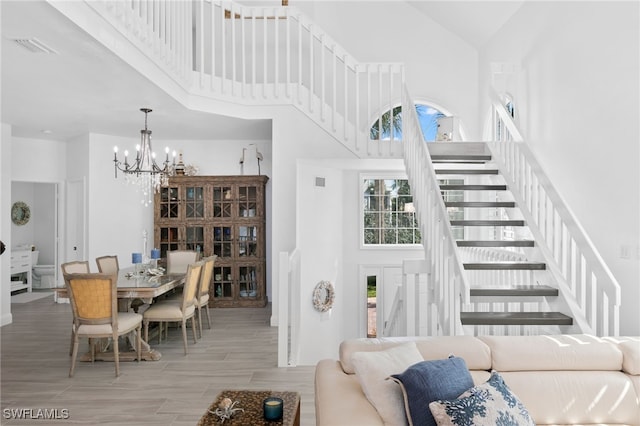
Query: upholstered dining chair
[
  {"x": 179, "y": 260},
  {"x": 108, "y": 265},
  {"x": 95, "y": 314},
  {"x": 165, "y": 311},
  {"x": 203, "y": 290},
  {"x": 75, "y": 267}
]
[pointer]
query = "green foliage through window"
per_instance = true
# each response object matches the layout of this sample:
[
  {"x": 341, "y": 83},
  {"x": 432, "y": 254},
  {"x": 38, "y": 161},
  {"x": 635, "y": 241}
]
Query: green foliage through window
[{"x": 389, "y": 215}]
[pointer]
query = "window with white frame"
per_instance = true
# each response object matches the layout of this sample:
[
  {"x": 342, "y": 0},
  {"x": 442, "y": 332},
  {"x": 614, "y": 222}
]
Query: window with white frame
[{"x": 388, "y": 214}]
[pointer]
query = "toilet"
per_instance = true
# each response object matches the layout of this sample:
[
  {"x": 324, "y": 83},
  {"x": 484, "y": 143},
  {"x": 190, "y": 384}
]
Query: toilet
[{"x": 43, "y": 275}]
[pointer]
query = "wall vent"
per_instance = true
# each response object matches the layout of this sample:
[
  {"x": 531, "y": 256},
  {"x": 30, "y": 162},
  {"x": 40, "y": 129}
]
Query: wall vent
[
  {"x": 320, "y": 181},
  {"x": 34, "y": 45}
]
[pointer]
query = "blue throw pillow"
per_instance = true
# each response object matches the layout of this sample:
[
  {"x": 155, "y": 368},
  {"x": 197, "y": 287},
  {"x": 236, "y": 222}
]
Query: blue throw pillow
[
  {"x": 429, "y": 381},
  {"x": 491, "y": 403}
]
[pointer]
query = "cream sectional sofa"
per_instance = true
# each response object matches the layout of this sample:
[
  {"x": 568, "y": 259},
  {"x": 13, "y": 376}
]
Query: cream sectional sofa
[{"x": 561, "y": 379}]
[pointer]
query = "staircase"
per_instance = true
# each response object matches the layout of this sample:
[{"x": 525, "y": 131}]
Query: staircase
[
  {"x": 523, "y": 261},
  {"x": 508, "y": 283}
]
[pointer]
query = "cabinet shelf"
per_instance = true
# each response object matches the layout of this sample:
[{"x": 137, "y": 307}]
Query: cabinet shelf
[{"x": 221, "y": 215}]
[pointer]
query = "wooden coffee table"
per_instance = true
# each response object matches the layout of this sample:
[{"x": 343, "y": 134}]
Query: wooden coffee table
[{"x": 251, "y": 402}]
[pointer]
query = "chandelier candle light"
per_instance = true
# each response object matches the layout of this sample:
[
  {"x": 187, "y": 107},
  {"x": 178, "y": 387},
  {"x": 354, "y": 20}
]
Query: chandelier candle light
[{"x": 144, "y": 171}]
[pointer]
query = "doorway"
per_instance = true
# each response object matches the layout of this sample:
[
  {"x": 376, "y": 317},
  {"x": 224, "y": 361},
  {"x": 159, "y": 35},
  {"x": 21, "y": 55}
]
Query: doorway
[
  {"x": 40, "y": 233},
  {"x": 379, "y": 285}
]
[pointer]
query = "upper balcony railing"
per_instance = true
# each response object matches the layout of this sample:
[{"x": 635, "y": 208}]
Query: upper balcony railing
[{"x": 263, "y": 56}]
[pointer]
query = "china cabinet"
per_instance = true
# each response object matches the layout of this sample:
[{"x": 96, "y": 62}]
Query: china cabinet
[{"x": 221, "y": 215}]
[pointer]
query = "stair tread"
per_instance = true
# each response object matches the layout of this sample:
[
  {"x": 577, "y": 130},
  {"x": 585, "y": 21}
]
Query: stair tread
[
  {"x": 480, "y": 203},
  {"x": 487, "y": 222},
  {"x": 518, "y": 290},
  {"x": 472, "y": 187},
  {"x": 467, "y": 171},
  {"x": 460, "y": 157},
  {"x": 515, "y": 318},
  {"x": 491, "y": 266},
  {"x": 495, "y": 243}
]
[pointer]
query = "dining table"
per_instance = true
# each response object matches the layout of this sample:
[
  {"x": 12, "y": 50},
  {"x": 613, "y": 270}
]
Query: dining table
[{"x": 135, "y": 284}]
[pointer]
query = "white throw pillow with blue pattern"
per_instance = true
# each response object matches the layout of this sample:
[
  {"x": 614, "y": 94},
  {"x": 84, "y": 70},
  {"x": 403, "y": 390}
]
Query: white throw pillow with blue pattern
[{"x": 491, "y": 403}]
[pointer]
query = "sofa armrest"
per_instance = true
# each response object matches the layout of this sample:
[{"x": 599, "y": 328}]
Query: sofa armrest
[{"x": 339, "y": 398}]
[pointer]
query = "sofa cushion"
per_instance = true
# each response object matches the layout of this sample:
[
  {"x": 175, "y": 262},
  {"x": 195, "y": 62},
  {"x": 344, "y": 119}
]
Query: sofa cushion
[
  {"x": 372, "y": 370},
  {"x": 490, "y": 403},
  {"x": 475, "y": 353},
  {"x": 630, "y": 347},
  {"x": 561, "y": 352},
  {"x": 429, "y": 381},
  {"x": 576, "y": 397}
]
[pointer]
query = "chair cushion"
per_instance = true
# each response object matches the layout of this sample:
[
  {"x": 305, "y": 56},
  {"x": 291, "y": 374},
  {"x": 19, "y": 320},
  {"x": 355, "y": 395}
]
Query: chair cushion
[
  {"x": 490, "y": 403},
  {"x": 429, "y": 381},
  {"x": 167, "y": 311},
  {"x": 204, "y": 299},
  {"x": 126, "y": 321}
]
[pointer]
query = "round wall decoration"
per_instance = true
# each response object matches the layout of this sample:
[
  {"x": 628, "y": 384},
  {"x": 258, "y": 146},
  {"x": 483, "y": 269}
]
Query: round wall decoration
[
  {"x": 323, "y": 295},
  {"x": 20, "y": 213}
]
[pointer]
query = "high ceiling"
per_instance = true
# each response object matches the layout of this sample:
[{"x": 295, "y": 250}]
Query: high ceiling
[{"x": 85, "y": 88}]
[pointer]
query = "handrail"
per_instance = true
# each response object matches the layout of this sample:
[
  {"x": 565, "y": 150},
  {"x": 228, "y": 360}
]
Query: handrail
[
  {"x": 396, "y": 325},
  {"x": 288, "y": 318},
  {"x": 587, "y": 284},
  {"x": 263, "y": 56},
  {"x": 447, "y": 276}
]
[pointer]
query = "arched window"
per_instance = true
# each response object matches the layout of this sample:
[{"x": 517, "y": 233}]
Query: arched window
[{"x": 384, "y": 128}]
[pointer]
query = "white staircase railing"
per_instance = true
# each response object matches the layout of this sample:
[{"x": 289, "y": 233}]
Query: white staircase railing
[
  {"x": 257, "y": 56},
  {"x": 585, "y": 281},
  {"x": 448, "y": 287},
  {"x": 289, "y": 309}
]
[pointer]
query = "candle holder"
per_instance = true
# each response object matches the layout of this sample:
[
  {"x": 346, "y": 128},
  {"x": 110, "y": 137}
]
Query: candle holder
[
  {"x": 272, "y": 408},
  {"x": 136, "y": 259}
]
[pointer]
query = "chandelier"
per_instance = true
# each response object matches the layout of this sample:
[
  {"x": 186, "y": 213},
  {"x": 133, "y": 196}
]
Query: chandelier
[{"x": 144, "y": 171}]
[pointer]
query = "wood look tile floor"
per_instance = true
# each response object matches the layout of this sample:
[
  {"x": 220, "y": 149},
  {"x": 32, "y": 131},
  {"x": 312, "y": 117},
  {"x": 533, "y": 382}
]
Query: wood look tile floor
[{"x": 239, "y": 352}]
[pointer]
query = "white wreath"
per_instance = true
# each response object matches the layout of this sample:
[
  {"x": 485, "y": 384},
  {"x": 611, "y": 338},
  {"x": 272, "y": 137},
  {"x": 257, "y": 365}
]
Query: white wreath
[{"x": 323, "y": 296}]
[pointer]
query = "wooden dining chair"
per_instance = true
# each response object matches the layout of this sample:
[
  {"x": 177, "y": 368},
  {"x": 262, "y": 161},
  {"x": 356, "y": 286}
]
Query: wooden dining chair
[
  {"x": 108, "y": 265},
  {"x": 203, "y": 290},
  {"x": 75, "y": 267},
  {"x": 94, "y": 303},
  {"x": 179, "y": 260},
  {"x": 165, "y": 311}
]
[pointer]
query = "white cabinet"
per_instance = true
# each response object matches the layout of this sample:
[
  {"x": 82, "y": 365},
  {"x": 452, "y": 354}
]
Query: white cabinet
[{"x": 21, "y": 270}]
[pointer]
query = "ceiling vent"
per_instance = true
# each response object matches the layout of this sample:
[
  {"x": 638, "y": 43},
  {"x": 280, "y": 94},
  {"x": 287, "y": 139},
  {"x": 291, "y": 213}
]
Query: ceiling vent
[{"x": 34, "y": 45}]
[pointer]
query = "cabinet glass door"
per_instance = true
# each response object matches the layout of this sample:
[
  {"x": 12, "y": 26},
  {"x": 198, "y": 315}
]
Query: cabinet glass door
[
  {"x": 169, "y": 202},
  {"x": 222, "y": 282},
  {"x": 247, "y": 201},
  {"x": 195, "y": 238},
  {"x": 247, "y": 241},
  {"x": 222, "y": 241},
  {"x": 247, "y": 281},
  {"x": 169, "y": 240},
  {"x": 222, "y": 201},
  {"x": 194, "y": 202}
]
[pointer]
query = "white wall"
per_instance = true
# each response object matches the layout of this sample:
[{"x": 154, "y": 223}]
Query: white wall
[
  {"x": 440, "y": 67},
  {"x": 5, "y": 223},
  {"x": 578, "y": 99},
  {"x": 329, "y": 235}
]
